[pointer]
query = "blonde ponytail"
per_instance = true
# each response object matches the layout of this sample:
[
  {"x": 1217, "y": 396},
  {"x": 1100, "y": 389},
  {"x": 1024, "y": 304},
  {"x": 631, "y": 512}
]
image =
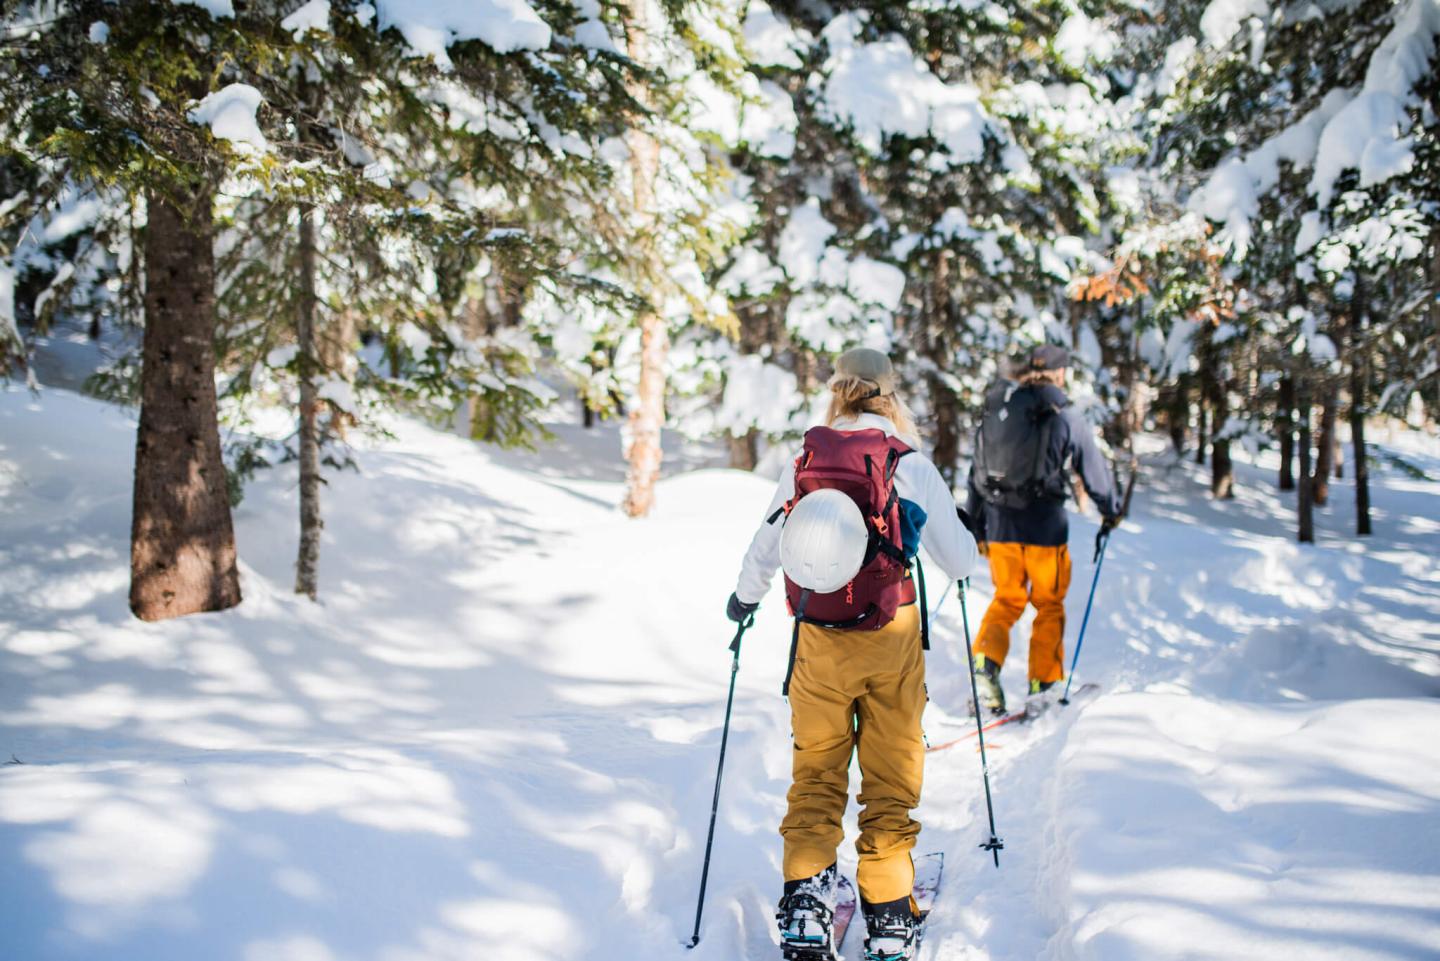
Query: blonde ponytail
[{"x": 852, "y": 396}]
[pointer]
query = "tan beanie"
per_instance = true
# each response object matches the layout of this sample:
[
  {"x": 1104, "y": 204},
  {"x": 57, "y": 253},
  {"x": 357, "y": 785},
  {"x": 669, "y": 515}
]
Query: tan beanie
[{"x": 868, "y": 365}]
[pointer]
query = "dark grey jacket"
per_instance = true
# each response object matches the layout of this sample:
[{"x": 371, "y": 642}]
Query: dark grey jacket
[{"x": 1045, "y": 522}]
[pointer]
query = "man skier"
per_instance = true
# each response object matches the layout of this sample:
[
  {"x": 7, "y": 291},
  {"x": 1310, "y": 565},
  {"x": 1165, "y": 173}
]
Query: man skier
[{"x": 1028, "y": 441}]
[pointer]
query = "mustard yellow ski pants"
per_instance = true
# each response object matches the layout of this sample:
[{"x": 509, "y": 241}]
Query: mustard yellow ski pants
[
  {"x": 1027, "y": 573},
  {"x": 864, "y": 692}
]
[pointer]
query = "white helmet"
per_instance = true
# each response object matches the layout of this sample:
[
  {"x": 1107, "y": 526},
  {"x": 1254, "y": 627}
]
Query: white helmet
[{"x": 822, "y": 546}]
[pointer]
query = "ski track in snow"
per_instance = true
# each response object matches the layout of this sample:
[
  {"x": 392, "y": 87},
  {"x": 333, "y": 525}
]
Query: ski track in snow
[{"x": 496, "y": 735}]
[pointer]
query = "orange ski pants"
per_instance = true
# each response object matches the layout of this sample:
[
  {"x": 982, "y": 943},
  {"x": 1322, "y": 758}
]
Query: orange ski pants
[
  {"x": 1038, "y": 575},
  {"x": 858, "y": 692}
]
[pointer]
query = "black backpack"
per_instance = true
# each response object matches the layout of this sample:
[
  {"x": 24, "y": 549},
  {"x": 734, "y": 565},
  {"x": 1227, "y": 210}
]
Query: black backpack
[{"x": 1013, "y": 445}]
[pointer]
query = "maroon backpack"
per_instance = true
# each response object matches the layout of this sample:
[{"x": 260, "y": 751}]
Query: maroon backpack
[{"x": 862, "y": 464}]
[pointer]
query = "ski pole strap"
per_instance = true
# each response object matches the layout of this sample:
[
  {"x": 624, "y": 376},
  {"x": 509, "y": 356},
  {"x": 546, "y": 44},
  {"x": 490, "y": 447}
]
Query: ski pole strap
[{"x": 794, "y": 642}]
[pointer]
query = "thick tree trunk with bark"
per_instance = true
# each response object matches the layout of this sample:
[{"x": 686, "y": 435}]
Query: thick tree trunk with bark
[
  {"x": 182, "y": 542},
  {"x": 643, "y": 451},
  {"x": 1285, "y": 428},
  {"x": 1305, "y": 505},
  {"x": 1325, "y": 449},
  {"x": 307, "y": 563}
]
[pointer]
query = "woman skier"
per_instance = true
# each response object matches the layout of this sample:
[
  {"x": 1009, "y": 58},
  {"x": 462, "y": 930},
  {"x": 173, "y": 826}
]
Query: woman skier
[{"x": 857, "y": 673}]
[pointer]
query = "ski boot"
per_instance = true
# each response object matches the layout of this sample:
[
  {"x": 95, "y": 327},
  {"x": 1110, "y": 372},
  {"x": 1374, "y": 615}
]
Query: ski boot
[
  {"x": 892, "y": 931},
  {"x": 987, "y": 684},
  {"x": 1040, "y": 699},
  {"x": 806, "y": 916}
]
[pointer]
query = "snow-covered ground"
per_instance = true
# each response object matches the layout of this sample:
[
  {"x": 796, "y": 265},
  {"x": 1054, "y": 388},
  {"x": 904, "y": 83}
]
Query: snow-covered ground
[{"x": 495, "y": 735}]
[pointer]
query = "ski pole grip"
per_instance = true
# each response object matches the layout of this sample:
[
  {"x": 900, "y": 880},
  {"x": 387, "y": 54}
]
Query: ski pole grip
[
  {"x": 1101, "y": 539},
  {"x": 740, "y": 632}
]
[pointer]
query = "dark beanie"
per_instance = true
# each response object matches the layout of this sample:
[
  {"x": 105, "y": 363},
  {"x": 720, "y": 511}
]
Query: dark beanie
[{"x": 1049, "y": 357}]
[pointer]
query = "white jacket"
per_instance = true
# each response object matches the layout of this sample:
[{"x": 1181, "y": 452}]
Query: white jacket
[{"x": 944, "y": 538}]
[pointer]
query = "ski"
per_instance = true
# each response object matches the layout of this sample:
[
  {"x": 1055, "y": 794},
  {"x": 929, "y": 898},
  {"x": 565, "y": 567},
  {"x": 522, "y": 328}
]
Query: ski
[
  {"x": 928, "y": 870},
  {"x": 1022, "y": 716}
]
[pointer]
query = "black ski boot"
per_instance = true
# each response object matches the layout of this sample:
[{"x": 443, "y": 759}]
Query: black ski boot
[
  {"x": 806, "y": 915},
  {"x": 892, "y": 931}
]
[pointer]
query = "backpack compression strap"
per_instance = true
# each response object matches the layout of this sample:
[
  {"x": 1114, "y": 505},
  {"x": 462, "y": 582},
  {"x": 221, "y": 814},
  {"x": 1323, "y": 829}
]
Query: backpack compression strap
[{"x": 794, "y": 642}]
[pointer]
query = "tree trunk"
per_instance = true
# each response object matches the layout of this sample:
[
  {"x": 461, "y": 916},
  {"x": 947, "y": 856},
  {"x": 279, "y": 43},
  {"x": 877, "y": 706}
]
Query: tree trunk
[
  {"x": 1285, "y": 427},
  {"x": 1202, "y": 431},
  {"x": 1325, "y": 449},
  {"x": 1305, "y": 508},
  {"x": 946, "y": 408},
  {"x": 1177, "y": 413},
  {"x": 182, "y": 541},
  {"x": 944, "y": 404},
  {"x": 307, "y": 563},
  {"x": 1132, "y": 398},
  {"x": 1359, "y": 374},
  {"x": 1216, "y": 394},
  {"x": 744, "y": 452},
  {"x": 643, "y": 451},
  {"x": 1222, "y": 468},
  {"x": 1435, "y": 305}
]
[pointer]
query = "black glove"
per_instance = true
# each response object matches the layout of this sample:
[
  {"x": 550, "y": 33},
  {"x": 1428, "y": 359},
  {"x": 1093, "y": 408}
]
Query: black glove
[
  {"x": 1106, "y": 526},
  {"x": 969, "y": 523},
  {"x": 737, "y": 610}
]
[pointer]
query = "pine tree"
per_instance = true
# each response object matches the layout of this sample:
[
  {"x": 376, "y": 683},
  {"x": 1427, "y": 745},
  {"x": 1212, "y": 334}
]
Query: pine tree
[{"x": 104, "y": 105}]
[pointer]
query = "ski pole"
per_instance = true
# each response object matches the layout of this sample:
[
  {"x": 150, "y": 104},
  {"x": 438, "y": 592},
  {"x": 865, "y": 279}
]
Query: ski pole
[
  {"x": 994, "y": 845},
  {"x": 1103, "y": 543},
  {"x": 719, "y": 770}
]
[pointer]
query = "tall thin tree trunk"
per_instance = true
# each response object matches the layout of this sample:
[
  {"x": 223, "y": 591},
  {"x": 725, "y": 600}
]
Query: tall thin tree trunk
[
  {"x": 1435, "y": 305},
  {"x": 643, "y": 449},
  {"x": 182, "y": 540},
  {"x": 1177, "y": 413},
  {"x": 944, "y": 404},
  {"x": 1135, "y": 401},
  {"x": 1202, "y": 427},
  {"x": 1285, "y": 427},
  {"x": 1305, "y": 504},
  {"x": 1222, "y": 468},
  {"x": 307, "y": 563},
  {"x": 1325, "y": 448},
  {"x": 1359, "y": 374}
]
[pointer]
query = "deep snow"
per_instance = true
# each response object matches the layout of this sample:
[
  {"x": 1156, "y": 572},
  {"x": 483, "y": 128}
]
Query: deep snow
[{"x": 495, "y": 735}]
